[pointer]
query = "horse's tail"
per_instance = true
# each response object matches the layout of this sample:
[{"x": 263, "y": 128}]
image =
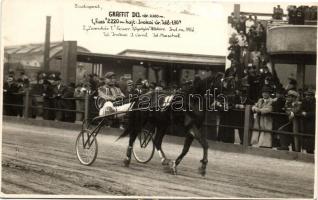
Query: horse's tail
[{"x": 124, "y": 134}]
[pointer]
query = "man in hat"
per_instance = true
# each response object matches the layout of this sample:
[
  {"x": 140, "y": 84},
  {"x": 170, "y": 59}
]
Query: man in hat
[
  {"x": 9, "y": 96},
  {"x": 279, "y": 119},
  {"x": 240, "y": 100},
  {"x": 308, "y": 109},
  {"x": 242, "y": 23},
  {"x": 145, "y": 86},
  {"x": 292, "y": 83},
  {"x": 245, "y": 56},
  {"x": 47, "y": 91},
  {"x": 254, "y": 83},
  {"x": 129, "y": 89},
  {"x": 279, "y": 13},
  {"x": 59, "y": 93},
  {"x": 109, "y": 91},
  {"x": 19, "y": 96},
  {"x": 139, "y": 86},
  {"x": 249, "y": 23},
  {"x": 292, "y": 107},
  {"x": 25, "y": 79}
]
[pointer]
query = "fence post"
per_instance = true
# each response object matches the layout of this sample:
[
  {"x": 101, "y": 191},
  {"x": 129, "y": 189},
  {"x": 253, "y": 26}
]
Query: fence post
[
  {"x": 247, "y": 125},
  {"x": 86, "y": 106},
  {"x": 26, "y": 103},
  {"x": 295, "y": 131}
]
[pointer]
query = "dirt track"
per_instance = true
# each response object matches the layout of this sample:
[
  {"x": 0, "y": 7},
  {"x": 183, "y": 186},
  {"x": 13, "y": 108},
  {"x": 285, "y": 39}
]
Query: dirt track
[{"x": 37, "y": 160}]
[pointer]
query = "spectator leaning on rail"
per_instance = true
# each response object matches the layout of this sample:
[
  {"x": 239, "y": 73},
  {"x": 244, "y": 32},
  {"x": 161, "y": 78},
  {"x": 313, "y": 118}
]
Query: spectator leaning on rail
[
  {"x": 241, "y": 100},
  {"x": 59, "y": 93},
  {"x": 25, "y": 79},
  {"x": 19, "y": 97},
  {"x": 308, "y": 121},
  {"x": 278, "y": 107},
  {"x": 9, "y": 90},
  {"x": 47, "y": 91},
  {"x": 262, "y": 120},
  {"x": 292, "y": 107},
  {"x": 79, "y": 93}
]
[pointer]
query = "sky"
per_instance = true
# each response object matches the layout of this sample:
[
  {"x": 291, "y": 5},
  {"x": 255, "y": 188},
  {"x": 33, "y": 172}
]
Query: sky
[{"x": 24, "y": 22}]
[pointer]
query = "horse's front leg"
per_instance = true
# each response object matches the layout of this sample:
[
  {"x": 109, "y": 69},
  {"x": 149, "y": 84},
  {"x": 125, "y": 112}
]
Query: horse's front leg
[
  {"x": 186, "y": 146},
  {"x": 204, "y": 162},
  {"x": 132, "y": 138},
  {"x": 158, "y": 142}
]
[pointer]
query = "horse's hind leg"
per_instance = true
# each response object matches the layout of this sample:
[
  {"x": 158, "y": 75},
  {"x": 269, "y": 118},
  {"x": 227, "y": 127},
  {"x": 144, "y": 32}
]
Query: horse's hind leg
[
  {"x": 132, "y": 138},
  {"x": 186, "y": 146},
  {"x": 204, "y": 143}
]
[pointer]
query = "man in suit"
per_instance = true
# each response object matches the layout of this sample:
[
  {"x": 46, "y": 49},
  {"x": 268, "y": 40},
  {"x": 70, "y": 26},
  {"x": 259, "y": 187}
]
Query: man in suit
[
  {"x": 240, "y": 100},
  {"x": 19, "y": 96},
  {"x": 309, "y": 118},
  {"x": 59, "y": 93},
  {"x": 248, "y": 23},
  {"x": 254, "y": 83},
  {"x": 9, "y": 96},
  {"x": 278, "y": 107},
  {"x": 292, "y": 107},
  {"x": 47, "y": 93}
]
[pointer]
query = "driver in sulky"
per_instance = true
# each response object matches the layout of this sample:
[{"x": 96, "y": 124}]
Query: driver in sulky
[
  {"x": 110, "y": 91},
  {"x": 111, "y": 94}
]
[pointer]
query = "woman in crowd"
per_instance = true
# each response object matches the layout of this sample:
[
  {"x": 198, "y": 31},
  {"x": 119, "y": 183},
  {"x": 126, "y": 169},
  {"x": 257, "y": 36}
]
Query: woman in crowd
[{"x": 262, "y": 120}]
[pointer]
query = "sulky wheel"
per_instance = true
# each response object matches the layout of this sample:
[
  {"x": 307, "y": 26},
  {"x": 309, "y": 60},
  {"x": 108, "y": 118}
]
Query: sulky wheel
[
  {"x": 86, "y": 147},
  {"x": 144, "y": 147}
]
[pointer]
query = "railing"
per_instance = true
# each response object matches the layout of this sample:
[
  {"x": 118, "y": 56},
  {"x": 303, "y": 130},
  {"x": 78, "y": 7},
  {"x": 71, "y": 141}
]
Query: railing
[
  {"x": 247, "y": 123},
  {"x": 26, "y": 104},
  {"x": 247, "y": 127}
]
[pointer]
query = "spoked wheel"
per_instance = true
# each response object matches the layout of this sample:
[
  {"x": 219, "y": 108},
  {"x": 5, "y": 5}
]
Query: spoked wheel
[
  {"x": 144, "y": 147},
  {"x": 86, "y": 147}
]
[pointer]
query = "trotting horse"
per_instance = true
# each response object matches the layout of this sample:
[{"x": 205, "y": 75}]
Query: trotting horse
[{"x": 193, "y": 113}]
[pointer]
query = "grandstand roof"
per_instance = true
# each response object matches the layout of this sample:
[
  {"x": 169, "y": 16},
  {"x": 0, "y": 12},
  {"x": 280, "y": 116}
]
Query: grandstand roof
[{"x": 38, "y": 48}]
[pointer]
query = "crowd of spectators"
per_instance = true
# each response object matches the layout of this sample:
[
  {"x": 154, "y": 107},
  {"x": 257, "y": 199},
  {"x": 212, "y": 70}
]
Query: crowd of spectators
[
  {"x": 14, "y": 89},
  {"x": 53, "y": 100},
  {"x": 48, "y": 91},
  {"x": 251, "y": 80},
  {"x": 278, "y": 13},
  {"x": 299, "y": 15}
]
